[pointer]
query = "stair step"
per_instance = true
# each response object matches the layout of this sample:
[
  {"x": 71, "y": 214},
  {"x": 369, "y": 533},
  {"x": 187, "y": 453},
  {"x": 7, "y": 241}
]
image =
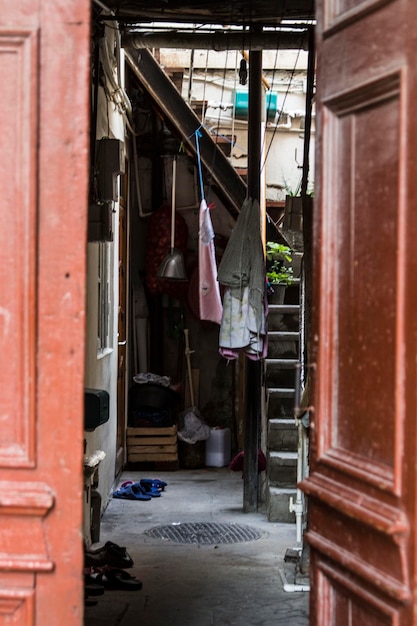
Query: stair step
[
  {"x": 276, "y": 423},
  {"x": 282, "y": 435},
  {"x": 281, "y": 392},
  {"x": 284, "y": 458},
  {"x": 284, "y": 335},
  {"x": 282, "y": 363},
  {"x": 284, "y": 308},
  {"x": 282, "y": 468},
  {"x": 277, "y": 504}
]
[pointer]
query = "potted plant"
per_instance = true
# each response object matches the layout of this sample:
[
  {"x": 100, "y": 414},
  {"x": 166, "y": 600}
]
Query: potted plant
[
  {"x": 293, "y": 211},
  {"x": 278, "y": 273}
]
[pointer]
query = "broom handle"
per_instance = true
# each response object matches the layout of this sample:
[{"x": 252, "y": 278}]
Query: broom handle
[
  {"x": 174, "y": 182},
  {"x": 187, "y": 356}
]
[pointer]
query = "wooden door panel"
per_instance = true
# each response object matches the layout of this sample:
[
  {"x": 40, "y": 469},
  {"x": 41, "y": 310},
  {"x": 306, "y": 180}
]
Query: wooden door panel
[
  {"x": 44, "y": 174},
  {"x": 363, "y": 433},
  {"x": 348, "y": 603},
  {"x": 17, "y": 607},
  {"x": 364, "y": 237},
  {"x": 18, "y": 57}
]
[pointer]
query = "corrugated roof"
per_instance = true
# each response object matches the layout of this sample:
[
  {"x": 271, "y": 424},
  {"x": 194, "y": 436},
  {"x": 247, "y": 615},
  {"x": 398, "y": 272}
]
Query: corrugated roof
[{"x": 235, "y": 12}]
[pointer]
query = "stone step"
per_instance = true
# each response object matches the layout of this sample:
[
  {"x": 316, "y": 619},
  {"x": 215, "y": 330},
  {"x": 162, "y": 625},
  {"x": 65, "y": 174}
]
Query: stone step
[
  {"x": 282, "y": 468},
  {"x": 283, "y": 335},
  {"x": 280, "y": 378},
  {"x": 277, "y": 377},
  {"x": 277, "y": 363},
  {"x": 280, "y": 392},
  {"x": 284, "y": 309},
  {"x": 282, "y": 435},
  {"x": 283, "y": 350},
  {"x": 277, "y": 407},
  {"x": 277, "y": 504},
  {"x": 283, "y": 323}
]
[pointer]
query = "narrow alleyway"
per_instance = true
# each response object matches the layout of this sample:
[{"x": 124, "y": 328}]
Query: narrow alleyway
[{"x": 199, "y": 584}]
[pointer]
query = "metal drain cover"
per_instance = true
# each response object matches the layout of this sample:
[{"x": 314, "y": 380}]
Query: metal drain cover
[{"x": 204, "y": 533}]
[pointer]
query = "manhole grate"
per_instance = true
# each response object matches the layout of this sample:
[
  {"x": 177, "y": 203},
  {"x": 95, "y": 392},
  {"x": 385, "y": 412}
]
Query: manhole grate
[{"x": 204, "y": 533}]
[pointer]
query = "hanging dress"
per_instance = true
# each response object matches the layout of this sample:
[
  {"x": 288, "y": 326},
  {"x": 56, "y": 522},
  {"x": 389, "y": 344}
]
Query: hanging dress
[{"x": 209, "y": 292}]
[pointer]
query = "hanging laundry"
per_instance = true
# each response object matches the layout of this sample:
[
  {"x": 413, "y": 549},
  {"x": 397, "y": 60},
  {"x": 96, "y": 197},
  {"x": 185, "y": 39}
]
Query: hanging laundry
[
  {"x": 209, "y": 292},
  {"x": 242, "y": 272},
  {"x": 210, "y": 303}
]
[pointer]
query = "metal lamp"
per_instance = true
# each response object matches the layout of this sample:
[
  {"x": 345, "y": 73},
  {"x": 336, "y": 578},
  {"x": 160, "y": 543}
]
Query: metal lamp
[{"x": 172, "y": 266}]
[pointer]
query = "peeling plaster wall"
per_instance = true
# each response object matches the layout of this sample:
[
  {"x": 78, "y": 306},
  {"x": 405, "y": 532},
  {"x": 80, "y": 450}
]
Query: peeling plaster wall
[{"x": 101, "y": 366}]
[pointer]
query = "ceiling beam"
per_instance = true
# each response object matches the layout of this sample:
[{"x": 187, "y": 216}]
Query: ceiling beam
[{"x": 277, "y": 40}]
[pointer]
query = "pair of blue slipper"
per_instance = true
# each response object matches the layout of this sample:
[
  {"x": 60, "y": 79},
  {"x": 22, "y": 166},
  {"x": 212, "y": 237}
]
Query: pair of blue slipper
[{"x": 146, "y": 489}]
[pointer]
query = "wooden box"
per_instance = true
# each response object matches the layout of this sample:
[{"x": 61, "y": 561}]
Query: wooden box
[{"x": 146, "y": 445}]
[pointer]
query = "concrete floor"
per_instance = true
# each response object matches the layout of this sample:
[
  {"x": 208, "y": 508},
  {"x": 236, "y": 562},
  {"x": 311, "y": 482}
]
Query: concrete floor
[{"x": 199, "y": 585}]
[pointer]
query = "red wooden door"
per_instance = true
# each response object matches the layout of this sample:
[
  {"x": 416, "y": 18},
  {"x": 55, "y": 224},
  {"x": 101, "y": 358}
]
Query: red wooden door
[
  {"x": 362, "y": 485},
  {"x": 43, "y": 172}
]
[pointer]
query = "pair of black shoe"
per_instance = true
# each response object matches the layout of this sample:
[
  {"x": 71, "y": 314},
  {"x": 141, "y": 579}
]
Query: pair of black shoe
[
  {"x": 105, "y": 569},
  {"x": 110, "y": 554}
]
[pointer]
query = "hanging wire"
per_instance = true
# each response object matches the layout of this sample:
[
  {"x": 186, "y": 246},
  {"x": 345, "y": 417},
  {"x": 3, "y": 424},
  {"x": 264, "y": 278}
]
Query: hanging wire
[
  {"x": 268, "y": 108},
  {"x": 269, "y": 103},
  {"x": 234, "y": 108},
  {"x": 190, "y": 78},
  {"x": 282, "y": 107},
  {"x": 204, "y": 87},
  {"x": 217, "y": 131},
  {"x": 200, "y": 170}
]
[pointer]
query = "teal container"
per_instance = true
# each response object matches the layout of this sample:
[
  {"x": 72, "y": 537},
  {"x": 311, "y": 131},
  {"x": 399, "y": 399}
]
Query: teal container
[{"x": 242, "y": 104}]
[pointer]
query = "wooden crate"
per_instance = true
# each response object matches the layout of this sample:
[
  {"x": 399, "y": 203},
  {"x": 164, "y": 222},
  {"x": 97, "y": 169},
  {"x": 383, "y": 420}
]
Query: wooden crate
[{"x": 146, "y": 445}]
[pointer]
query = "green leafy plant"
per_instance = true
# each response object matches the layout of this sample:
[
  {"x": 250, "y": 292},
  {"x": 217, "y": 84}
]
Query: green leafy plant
[
  {"x": 290, "y": 191},
  {"x": 276, "y": 256},
  {"x": 295, "y": 192}
]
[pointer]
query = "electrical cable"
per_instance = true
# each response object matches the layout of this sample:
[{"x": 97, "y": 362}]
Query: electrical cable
[
  {"x": 203, "y": 112},
  {"x": 210, "y": 181},
  {"x": 282, "y": 108}
]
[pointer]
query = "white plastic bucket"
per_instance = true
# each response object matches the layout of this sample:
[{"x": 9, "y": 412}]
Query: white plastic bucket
[{"x": 218, "y": 447}]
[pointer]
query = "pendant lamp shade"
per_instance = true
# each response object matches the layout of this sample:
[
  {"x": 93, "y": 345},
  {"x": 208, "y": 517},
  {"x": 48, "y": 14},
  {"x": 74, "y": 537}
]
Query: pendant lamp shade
[{"x": 172, "y": 266}]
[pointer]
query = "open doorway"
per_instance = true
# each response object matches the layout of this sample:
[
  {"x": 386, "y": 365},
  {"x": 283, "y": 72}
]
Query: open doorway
[
  {"x": 159, "y": 317},
  {"x": 159, "y": 312}
]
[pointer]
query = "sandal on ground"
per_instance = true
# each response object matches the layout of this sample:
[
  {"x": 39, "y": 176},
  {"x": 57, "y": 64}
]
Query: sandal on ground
[
  {"x": 150, "y": 490},
  {"x": 126, "y": 483},
  {"x": 132, "y": 492},
  {"x": 153, "y": 483},
  {"x": 146, "y": 488},
  {"x": 115, "y": 578},
  {"x": 92, "y": 587}
]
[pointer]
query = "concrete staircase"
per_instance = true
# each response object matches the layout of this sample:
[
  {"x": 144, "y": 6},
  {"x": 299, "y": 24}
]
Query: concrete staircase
[{"x": 281, "y": 432}]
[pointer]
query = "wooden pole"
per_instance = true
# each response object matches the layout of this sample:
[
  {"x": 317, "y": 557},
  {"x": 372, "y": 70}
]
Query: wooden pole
[{"x": 253, "y": 368}]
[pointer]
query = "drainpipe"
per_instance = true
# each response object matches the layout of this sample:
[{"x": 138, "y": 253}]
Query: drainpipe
[
  {"x": 253, "y": 368},
  {"x": 297, "y": 507},
  {"x": 292, "y": 587}
]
